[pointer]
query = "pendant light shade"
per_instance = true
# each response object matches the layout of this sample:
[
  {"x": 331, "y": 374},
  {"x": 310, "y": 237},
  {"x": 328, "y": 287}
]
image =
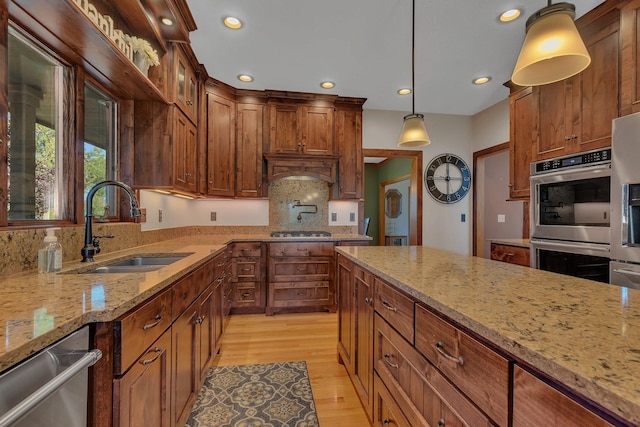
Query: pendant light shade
[
  {"x": 414, "y": 132},
  {"x": 553, "y": 49}
]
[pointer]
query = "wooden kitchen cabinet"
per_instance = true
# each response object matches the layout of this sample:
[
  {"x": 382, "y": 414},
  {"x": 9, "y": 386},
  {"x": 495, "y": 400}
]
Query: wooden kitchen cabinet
[
  {"x": 249, "y": 142},
  {"x": 142, "y": 396},
  {"x": 535, "y": 403},
  {"x": 247, "y": 277},
  {"x": 184, "y": 370},
  {"x": 523, "y": 132},
  {"x": 185, "y": 93},
  {"x": 221, "y": 145},
  {"x": 301, "y": 129},
  {"x": 185, "y": 154},
  {"x": 575, "y": 114},
  {"x": 348, "y": 129},
  {"x": 512, "y": 254},
  {"x": 630, "y": 57},
  {"x": 301, "y": 277},
  {"x": 345, "y": 290}
]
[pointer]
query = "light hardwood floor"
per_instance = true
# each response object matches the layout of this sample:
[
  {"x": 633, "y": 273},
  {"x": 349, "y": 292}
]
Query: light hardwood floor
[{"x": 312, "y": 337}]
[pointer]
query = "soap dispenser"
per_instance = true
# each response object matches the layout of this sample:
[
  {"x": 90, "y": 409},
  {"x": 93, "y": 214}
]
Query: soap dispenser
[{"x": 50, "y": 254}]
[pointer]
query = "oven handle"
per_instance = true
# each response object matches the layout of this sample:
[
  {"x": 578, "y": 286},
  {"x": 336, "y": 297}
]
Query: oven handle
[
  {"x": 18, "y": 411},
  {"x": 598, "y": 248},
  {"x": 626, "y": 272}
]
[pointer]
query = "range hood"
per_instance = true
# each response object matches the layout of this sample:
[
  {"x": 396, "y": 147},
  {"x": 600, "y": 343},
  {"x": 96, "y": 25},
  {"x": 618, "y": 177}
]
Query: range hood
[{"x": 283, "y": 165}]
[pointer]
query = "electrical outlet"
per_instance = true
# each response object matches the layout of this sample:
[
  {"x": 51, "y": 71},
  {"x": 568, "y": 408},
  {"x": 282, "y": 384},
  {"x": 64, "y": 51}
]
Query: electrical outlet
[
  {"x": 334, "y": 216},
  {"x": 159, "y": 215},
  {"x": 214, "y": 216},
  {"x": 501, "y": 218},
  {"x": 352, "y": 216}
]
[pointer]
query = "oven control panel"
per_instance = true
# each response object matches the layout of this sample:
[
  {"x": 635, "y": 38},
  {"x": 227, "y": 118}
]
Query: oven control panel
[{"x": 589, "y": 157}]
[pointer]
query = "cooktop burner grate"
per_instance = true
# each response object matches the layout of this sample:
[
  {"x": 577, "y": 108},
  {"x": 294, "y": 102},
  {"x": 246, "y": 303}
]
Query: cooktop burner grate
[{"x": 300, "y": 234}]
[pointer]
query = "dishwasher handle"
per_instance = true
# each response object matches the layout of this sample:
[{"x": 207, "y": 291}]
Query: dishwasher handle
[{"x": 22, "y": 408}]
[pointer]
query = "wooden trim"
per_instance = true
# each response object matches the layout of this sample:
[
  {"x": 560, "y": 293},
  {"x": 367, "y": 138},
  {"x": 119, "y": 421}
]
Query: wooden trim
[
  {"x": 4, "y": 108},
  {"x": 476, "y": 156},
  {"x": 415, "y": 188}
]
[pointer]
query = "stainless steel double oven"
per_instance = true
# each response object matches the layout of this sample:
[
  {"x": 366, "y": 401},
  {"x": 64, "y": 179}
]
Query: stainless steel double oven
[{"x": 570, "y": 215}]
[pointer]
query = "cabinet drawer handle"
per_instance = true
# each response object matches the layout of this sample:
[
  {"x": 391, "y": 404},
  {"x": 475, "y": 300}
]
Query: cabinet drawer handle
[
  {"x": 509, "y": 254},
  {"x": 389, "y": 307},
  {"x": 246, "y": 269},
  {"x": 440, "y": 348},
  {"x": 158, "y": 352},
  {"x": 246, "y": 294},
  {"x": 157, "y": 319},
  {"x": 303, "y": 268},
  {"x": 387, "y": 360}
]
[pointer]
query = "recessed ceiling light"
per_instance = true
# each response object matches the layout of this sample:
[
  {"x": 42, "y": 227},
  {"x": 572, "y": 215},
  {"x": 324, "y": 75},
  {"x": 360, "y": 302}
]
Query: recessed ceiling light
[
  {"x": 166, "y": 21},
  {"x": 509, "y": 15},
  {"x": 481, "y": 80},
  {"x": 245, "y": 78},
  {"x": 327, "y": 85},
  {"x": 233, "y": 23},
  {"x": 404, "y": 91}
]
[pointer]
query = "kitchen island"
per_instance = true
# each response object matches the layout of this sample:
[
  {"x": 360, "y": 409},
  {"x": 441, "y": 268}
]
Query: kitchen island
[{"x": 582, "y": 335}]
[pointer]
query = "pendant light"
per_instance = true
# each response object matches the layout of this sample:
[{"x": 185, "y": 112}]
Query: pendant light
[
  {"x": 414, "y": 133},
  {"x": 553, "y": 49}
]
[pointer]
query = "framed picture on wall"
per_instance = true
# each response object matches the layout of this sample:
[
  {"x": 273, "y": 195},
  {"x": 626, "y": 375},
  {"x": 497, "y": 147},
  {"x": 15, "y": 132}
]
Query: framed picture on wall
[{"x": 393, "y": 203}]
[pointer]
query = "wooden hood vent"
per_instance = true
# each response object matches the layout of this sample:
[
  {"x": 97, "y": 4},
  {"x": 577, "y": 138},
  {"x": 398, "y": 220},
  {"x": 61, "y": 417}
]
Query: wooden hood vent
[{"x": 282, "y": 165}]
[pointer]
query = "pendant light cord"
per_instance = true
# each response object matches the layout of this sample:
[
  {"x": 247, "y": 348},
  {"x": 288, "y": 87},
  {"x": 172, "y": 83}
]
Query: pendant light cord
[{"x": 413, "y": 57}]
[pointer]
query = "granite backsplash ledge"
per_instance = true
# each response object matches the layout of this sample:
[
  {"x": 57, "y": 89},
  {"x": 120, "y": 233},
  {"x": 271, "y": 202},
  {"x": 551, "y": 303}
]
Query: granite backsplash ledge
[{"x": 19, "y": 247}]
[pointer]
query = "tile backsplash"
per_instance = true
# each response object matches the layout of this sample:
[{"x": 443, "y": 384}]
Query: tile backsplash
[{"x": 313, "y": 195}]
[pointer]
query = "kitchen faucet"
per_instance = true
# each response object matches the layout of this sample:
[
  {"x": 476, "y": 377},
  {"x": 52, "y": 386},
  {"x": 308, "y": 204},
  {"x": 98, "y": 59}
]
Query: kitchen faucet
[
  {"x": 299, "y": 205},
  {"x": 91, "y": 242}
]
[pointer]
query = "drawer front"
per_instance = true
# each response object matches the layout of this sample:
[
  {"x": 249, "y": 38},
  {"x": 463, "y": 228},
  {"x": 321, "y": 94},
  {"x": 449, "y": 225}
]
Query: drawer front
[
  {"x": 536, "y": 403},
  {"x": 386, "y": 411},
  {"x": 301, "y": 268},
  {"x": 427, "y": 396},
  {"x": 481, "y": 373},
  {"x": 220, "y": 263},
  {"x": 396, "y": 308},
  {"x": 303, "y": 249},
  {"x": 137, "y": 330},
  {"x": 246, "y": 294},
  {"x": 246, "y": 249},
  {"x": 183, "y": 293},
  {"x": 511, "y": 254},
  {"x": 296, "y": 294},
  {"x": 246, "y": 269}
]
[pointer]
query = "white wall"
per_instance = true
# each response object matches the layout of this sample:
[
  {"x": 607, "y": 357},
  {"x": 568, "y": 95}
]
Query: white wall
[
  {"x": 442, "y": 226},
  {"x": 491, "y": 126}
]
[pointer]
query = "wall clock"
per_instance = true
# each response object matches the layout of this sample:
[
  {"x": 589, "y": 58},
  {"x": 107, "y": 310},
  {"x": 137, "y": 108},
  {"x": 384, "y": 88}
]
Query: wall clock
[{"x": 447, "y": 178}]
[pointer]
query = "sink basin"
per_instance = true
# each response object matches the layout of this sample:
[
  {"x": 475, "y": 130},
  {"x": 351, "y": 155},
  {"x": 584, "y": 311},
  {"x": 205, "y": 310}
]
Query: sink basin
[{"x": 135, "y": 264}]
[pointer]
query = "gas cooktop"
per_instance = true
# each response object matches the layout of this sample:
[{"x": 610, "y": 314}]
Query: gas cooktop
[{"x": 300, "y": 234}]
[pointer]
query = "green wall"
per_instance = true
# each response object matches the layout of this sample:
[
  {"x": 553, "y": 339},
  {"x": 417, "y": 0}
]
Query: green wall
[{"x": 373, "y": 176}]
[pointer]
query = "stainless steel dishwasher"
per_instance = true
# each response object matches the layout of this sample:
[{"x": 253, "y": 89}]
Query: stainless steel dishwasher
[{"x": 49, "y": 389}]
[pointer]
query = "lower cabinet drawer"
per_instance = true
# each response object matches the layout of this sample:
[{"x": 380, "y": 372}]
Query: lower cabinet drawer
[
  {"x": 247, "y": 269},
  {"x": 385, "y": 410},
  {"x": 536, "y": 403},
  {"x": 425, "y": 396},
  {"x": 478, "y": 371},
  {"x": 290, "y": 294},
  {"x": 300, "y": 268},
  {"x": 135, "y": 331},
  {"x": 396, "y": 308},
  {"x": 511, "y": 254}
]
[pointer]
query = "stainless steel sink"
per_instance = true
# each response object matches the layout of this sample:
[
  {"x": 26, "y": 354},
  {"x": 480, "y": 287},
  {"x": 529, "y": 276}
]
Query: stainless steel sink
[{"x": 134, "y": 264}]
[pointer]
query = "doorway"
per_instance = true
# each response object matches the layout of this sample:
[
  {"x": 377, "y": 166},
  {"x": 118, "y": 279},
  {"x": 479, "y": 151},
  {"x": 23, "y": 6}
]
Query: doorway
[
  {"x": 494, "y": 215},
  {"x": 413, "y": 198}
]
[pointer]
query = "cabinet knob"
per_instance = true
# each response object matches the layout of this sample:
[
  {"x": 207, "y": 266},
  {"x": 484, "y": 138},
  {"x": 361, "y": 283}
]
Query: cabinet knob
[
  {"x": 574, "y": 136},
  {"x": 567, "y": 138}
]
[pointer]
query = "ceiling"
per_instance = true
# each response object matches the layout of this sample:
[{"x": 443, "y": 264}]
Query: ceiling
[{"x": 364, "y": 47}]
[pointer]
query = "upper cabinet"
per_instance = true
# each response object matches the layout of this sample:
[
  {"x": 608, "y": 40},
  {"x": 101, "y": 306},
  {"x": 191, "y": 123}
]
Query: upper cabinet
[
  {"x": 301, "y": 125},
  {"x": 348, "y": 142},
  {"x": 185, "y": 84},
  {"x": 630, "y": 45},
  {"x": 523, "y": 133},
  {"x": 575, "y": 114},
  {"x": 249, "y": 142},
  {"x": 221, "y": 145}
]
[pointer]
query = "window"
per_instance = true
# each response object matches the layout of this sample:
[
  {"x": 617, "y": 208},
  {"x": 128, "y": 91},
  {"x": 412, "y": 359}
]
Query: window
[
  {"x": 46, "y": 159},
  {"x": 100, "y": 150},
  {"x": 36, "y": 180}
]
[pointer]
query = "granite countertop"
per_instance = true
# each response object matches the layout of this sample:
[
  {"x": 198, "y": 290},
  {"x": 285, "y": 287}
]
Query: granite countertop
[
  {"x": 38, "y": 309},
  {"x": 523, "y": 243},
  {"x": 584, "y": 334}
]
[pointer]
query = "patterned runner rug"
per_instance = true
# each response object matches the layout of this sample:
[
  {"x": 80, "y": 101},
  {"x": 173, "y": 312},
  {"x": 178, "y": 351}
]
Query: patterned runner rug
[{"x": 265, "y": 395}]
